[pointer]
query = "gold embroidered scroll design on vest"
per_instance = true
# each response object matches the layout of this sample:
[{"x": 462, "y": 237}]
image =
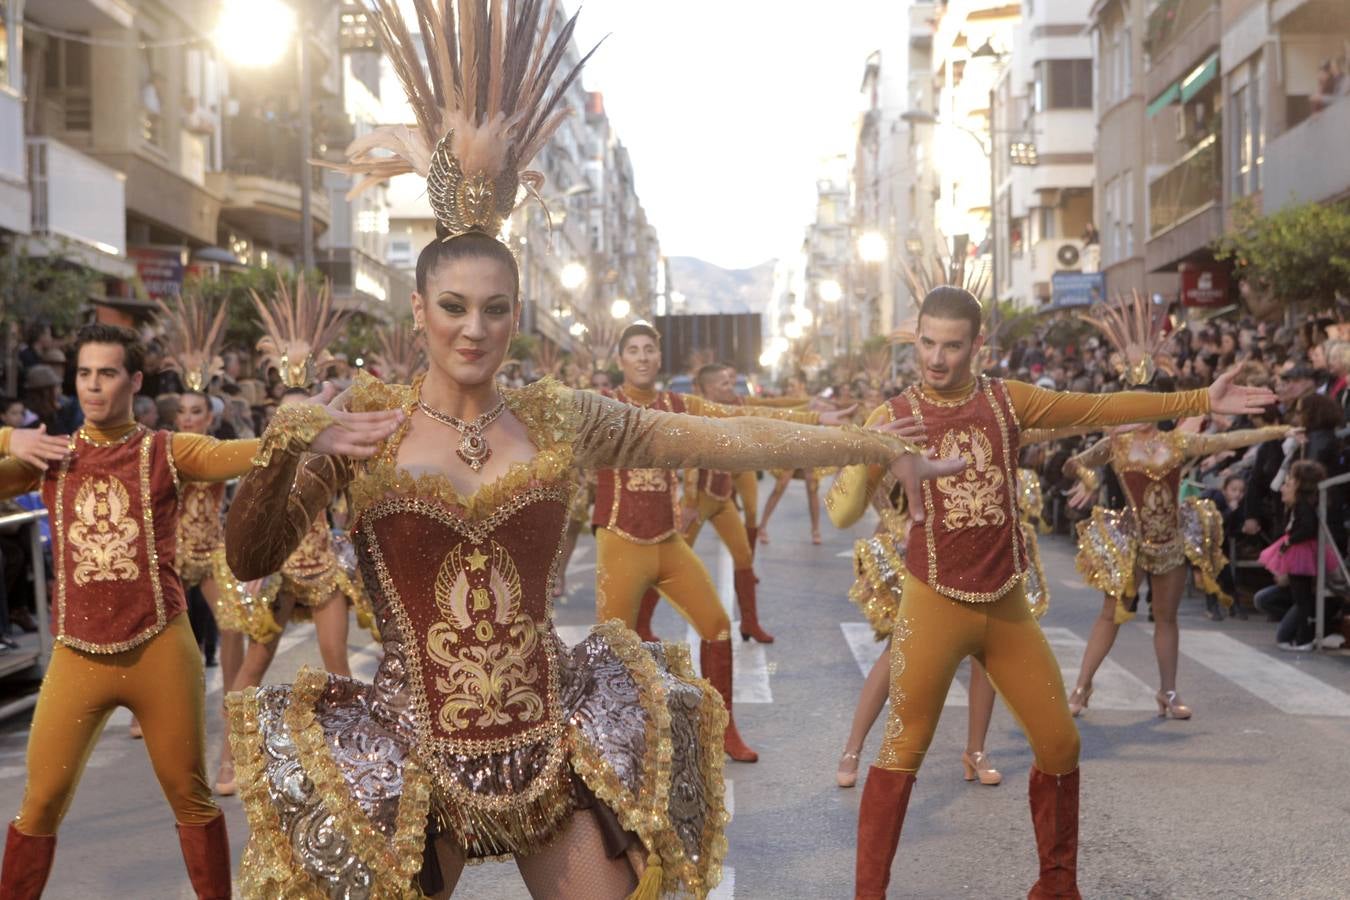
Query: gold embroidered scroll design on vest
[
  {"x": 975, "y": 496},
  {"x": 647, "y": 480},
  {"x": 105, "y": 533},
  {"x": 484, "y": 643}
]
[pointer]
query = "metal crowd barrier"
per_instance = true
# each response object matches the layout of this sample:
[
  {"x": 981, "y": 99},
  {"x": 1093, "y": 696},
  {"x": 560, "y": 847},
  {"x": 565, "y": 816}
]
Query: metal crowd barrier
[
  {"x": 1325, "y": 539},
  {"x": 29, "y": 660}
]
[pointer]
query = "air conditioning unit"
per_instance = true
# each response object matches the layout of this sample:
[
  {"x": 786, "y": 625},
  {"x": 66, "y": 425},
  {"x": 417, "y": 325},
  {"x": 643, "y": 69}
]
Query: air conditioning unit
[{"x": 1067, "y": 256}]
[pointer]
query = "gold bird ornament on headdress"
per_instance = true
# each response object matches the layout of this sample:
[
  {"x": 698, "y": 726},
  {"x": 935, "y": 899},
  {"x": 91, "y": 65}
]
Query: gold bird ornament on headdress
[
  {"x": 300, "y": 327},
  {"x": 1137, "y": 330},
  {"x": 486, "y": 101},
  {"x": 195, "y": 329}
]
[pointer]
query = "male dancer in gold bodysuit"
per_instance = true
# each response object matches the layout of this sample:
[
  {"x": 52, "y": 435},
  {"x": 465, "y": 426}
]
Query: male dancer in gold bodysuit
[{"x": 963, "y": 593}]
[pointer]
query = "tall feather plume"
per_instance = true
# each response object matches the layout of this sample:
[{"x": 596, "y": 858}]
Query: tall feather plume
[
  {"x": 196, "y": 328},
  {"x": 487, "y": 77},
  {"x": 931, "y": 272},
  {"x": 1137, "y": 329},
  {"x": 401, "y": 354},
  {"x": 300, "y": 326}
]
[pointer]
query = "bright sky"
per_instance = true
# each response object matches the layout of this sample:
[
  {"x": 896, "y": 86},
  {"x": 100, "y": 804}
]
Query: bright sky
[{"x": 728, "y": 107}]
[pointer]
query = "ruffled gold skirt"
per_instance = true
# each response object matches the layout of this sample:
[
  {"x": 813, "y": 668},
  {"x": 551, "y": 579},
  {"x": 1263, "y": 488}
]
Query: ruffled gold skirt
[
  {"x": 1110, "y": 553},
  {"x": 338, "y": 799}
]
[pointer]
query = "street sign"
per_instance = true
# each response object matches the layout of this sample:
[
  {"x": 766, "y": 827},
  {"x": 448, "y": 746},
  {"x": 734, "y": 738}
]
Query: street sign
[{"x": 1073, "y": 289}]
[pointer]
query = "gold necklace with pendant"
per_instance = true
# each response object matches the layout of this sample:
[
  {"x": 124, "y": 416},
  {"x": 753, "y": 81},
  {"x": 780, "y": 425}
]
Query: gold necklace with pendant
[{"x": 473, "y": 448}]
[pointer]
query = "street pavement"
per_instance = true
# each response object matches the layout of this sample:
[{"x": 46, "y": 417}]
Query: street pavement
[{"x": 1249, "y": 799}]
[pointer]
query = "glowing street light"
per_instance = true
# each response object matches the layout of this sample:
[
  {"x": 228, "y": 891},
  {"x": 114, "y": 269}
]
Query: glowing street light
[
  {"x": 572, "y": 276},
  {"x": 792, "y": 330},
  {"x": 829, "y": 290},
  {"x": 577, "y": 329},
  {"x": 255, "y": 33},
  {"x": 804, "y": 315},
  {"x": 872, "y": 246},
  {"x": 620, "y": 308},
  {"x": 769, "y": 358}
]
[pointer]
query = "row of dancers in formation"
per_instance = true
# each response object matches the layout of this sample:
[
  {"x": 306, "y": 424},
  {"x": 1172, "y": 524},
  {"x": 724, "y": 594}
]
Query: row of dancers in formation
[{"x": 598, "y": 768}]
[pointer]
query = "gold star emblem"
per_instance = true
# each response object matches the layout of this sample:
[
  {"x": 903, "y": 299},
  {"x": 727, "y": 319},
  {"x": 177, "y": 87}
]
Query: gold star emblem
[{"x": 477, "y": 560}]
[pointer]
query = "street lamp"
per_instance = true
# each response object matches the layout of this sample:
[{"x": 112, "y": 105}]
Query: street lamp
[
  {"x": 577, "y": 329},
  {"x": 829, "y": 290},
  {"x": 572, "y": 276},
  {"x": 239, "y": 37},
  {"x": 872, "y": 247},
  {"x": 620, "y": 308}
]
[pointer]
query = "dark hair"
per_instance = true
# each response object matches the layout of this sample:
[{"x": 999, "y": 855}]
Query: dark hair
[
  {"x": 1306, "y": 474},
  {"x": 637, "y": 329},
  {"x": 470, "y": 245},
  {"x": 133, "y": 351},
  {"x": 1300, "y": 372},
  {"x": 1319, "y": 412},
  {"x": 294, "y": 392},
  {"x": 34, "y": 331},
  {"x": 7, "y": 402},
  {"x": 950, "y": 302},
  {"x": 1231, "y": 478},
  {"x": 708, "y": 371}
]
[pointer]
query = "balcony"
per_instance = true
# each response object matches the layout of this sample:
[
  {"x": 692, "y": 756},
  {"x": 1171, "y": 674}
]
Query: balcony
[
  {"x": 362, "y": 283},
  {"x": 14, "y": 196},
  {"x": 260, "y": 187},
  {"x": 1298, "y": 167},
  {"x": 1181, "y": 33},
  {"x": 1192, "y": 185},
  {"x": 79, "y": 207}
]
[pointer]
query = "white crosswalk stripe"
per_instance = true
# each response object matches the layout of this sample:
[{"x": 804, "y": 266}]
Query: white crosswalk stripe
[
  {"x": 867, "y": 649},
  {"x": 1283, "y": 685},
  {"x": 1113, "y": 687}
]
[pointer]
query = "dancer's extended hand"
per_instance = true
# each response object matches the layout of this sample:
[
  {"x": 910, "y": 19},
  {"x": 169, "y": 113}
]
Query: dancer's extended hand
[
  {"x": 354, "y": 434},
  {"x": 908, "y": 428},
  {"x": 1237, "y": 399},
  {"x": 838, "y": 416},
  {"x": 1080, "y": 496},
  {"x": 912, "y": 469},
  {"x": 36, "y": 447}
]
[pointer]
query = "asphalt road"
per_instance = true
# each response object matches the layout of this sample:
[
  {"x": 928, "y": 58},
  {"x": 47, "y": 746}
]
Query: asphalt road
[{"x": 1247, "y": 799}]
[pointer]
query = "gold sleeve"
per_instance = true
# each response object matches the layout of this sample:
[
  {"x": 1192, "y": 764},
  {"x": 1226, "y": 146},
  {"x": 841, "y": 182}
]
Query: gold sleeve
[
  {"x": 1039, "y": 408},
  {"x": 615, "y": 435},
  {"x": 777, "y": 402},
  {"x": 1090, "y": 460},
  {"x": 1206, "y": 444},
  {"x": 698, "y": 406},
  {"x": 1045, "y": 435},
  {"x": 16, "y": 476},
  {"x": 201, "y": 458},
  {"x": 854, "y": 486},
  {"x": 279, "y": 498}
]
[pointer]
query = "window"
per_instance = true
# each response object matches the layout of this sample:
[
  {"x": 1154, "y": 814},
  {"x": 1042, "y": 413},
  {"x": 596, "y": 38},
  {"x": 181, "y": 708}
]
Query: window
[
  {"x": 1063, "y": 84},
  {"x": 1247, "y": 152},
  {"x": 1126, "y": 227}
]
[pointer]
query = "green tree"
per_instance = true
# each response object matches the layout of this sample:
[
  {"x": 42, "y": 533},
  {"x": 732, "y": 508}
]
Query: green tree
[
  {"x": 45, "y": 289},
  {"x": 1298, "y": 257}
]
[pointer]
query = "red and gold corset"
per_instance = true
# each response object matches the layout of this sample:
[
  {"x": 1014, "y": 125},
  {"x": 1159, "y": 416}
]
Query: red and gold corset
[
  {"x": 201, "y": 532},
  {"x": 115, "y": 533},
  {"x": 969, "y": 546},
  {"x": 639, "y": 504},
  {"x": 1149, "y": 469}
]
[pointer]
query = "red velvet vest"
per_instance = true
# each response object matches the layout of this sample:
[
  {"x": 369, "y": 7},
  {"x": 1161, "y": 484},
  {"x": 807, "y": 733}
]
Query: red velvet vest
[
  {"x": 639, "y": 504},
  {"x": 969, "y": 546},
  {"x": 718, "y": 485},
  {"x": 114, "y": 515},
  {"x": 1154, "y": 503}
]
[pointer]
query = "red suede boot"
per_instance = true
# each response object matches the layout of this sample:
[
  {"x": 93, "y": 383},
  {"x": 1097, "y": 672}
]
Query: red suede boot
[
  {"x": 1054, "y": 815},
  {"x": 206, "y": 851},
  {"x": 715, "y": 660},
  {"x": 28, "y": 862},
  {"x": 880, "y": 818},
  {"x": 745, "y": 599}
]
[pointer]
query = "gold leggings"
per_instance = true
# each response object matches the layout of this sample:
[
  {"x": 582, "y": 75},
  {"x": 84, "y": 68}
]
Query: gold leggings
[
  {"x": 747, "y": 488},
  {"x": 624, "y": 570},
  {"x": 933, "y": 634},
  {"x": 161, "y": 682},
  {"x": 727, "y": 520}
]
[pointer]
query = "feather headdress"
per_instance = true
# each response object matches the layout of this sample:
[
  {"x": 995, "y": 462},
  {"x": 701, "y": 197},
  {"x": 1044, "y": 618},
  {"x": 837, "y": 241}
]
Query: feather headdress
[
  {"x": 1137, "y": 329},
  {"x": 931, "y": 273},
  {"x": 401, "y": 354},
  {"x": 300, "y": 326},
  {"x": 485, "y": 101},
  {"x": 193, "y": 337}
]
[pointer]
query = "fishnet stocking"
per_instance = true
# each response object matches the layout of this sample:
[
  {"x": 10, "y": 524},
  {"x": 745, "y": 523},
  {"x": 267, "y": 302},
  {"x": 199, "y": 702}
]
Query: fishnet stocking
[{"x": 575, "y": 867}]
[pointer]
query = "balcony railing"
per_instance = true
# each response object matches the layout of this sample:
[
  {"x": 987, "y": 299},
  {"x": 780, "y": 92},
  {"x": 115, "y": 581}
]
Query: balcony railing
[
  {"x": 76, "y": 197},
  {"x": 1170, "y": 20},
  {"x": 1194, "y": 183},
  {"x": 266, "y": 148}
]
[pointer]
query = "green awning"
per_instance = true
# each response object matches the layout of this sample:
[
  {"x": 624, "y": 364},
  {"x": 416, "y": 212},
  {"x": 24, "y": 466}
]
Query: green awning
[
  {"x": 1200, "y": 76},
  {"x": 1164, "y": 100}
]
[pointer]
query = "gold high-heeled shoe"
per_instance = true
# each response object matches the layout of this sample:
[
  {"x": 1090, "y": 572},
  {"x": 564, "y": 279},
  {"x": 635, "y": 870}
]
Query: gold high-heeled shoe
[
  {"x": 847, "y": 778},
  {"x": 977, "y": 766},
  {"x": 1078, "y": 700},
  {"x": 1169, "y": 704}
]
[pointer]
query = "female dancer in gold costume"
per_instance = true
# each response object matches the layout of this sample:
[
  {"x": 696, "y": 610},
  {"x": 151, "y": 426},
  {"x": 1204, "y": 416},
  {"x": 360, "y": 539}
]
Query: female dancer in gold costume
[{"x": 599, "y": 768}]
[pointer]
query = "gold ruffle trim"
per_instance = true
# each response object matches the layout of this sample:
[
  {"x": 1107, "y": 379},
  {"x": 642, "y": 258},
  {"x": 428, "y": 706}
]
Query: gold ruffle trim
[
  {"x": 292, "y": 430},
  {"x": 238, "y": 610},
  {"x": 647, "y": 813},
  {"x": 876, "y": 593}
]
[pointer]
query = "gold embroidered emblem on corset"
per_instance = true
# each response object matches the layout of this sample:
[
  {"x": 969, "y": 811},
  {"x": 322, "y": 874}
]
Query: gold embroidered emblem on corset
[
  {"x": 104, "y": 533},
  {"x": 974, "y": 497},
  {"x": 484, "y": 643},
  {"x": 647, "y": 480},
  {"x": 1157, "y": 514}
]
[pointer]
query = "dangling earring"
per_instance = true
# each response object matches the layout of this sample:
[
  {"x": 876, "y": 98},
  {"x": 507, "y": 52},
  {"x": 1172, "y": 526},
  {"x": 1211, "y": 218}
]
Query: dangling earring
[{"x": 418, "y": 330}]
